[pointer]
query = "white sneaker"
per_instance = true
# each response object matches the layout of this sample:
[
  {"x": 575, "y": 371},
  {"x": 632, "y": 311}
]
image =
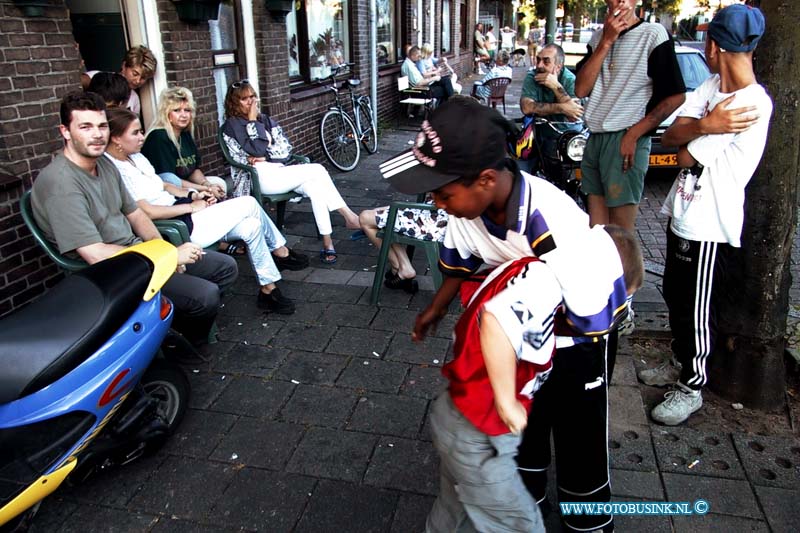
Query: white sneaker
[
  {"x": 627, "y": 326},
  {"x": 662, "y": 375},
  {"x": 677, "y": 406}
]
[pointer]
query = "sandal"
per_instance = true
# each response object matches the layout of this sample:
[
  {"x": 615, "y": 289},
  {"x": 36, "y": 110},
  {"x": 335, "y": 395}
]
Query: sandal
[
  {"x": 358, "y": 235},
  {"x": 328, "y": 256},
  {"x": 234, "y": 249}
]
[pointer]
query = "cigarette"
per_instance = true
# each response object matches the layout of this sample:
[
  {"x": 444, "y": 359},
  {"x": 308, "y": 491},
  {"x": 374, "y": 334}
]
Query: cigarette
[
  {"x": 203, "y": 253},
  {"x": 616, "y": 13}
]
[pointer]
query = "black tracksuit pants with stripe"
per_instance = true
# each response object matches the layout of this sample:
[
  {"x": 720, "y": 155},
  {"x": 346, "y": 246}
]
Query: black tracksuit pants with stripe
[
  {"x": 573, "y": 405},
  {"x": 693, "y": 282}
]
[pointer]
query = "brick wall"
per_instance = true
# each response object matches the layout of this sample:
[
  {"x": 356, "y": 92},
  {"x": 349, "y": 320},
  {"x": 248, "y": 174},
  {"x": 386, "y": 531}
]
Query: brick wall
[
  {"x": 39, "y": 63},
  {"x": 188, "y": 63}
]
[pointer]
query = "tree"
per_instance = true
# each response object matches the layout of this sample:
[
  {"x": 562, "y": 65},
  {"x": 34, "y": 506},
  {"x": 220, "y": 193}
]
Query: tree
[{"x": 748, "y": 364}]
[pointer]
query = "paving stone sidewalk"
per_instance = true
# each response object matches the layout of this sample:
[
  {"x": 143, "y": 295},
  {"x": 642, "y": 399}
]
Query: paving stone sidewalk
[{"x": 318, "y": 421}]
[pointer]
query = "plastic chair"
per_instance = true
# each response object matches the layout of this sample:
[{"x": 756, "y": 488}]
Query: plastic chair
[
  {"x": 498, "y": 87},
  {"x": 255, "y": 186},
  {"x": 390, "y": 237},
  {"x": 173, "y": 231},
  {"x": 414, "y": 96}
]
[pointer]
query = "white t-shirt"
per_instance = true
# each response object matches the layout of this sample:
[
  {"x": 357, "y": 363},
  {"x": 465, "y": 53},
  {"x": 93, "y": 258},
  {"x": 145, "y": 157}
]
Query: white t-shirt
[
  {"x": 710, "y": 207},
  {"x": 134, "y": 104},
  {"x": 507, "y": 38},
  {"x": 141, "y": 180},
  {"x": 491, "y": 41}
]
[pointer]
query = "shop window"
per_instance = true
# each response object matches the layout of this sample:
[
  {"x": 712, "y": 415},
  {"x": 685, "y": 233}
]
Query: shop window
[
  {"x": 462, "y": 8},
  {"x": 225, "y": 49},
  {"x": 317, "y": 38},
  {"x": 446, "y": 37}
]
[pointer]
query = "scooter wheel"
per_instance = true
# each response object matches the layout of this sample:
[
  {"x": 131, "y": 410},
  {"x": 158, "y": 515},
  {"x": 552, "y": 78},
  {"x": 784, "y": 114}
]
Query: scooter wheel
[{"x": 166, "y": 382}]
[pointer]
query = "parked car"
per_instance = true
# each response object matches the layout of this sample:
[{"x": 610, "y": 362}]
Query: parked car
[{"x": 695, "y": 70}]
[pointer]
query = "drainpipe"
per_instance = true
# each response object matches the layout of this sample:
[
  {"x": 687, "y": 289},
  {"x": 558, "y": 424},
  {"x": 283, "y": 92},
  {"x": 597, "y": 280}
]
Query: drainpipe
[{"x": 373, "y": 59}]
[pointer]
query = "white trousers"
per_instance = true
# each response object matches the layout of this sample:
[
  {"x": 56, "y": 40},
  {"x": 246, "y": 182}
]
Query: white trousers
[
  {"x": 311, "y": 180},
  {"x": 241, "y": 219}
]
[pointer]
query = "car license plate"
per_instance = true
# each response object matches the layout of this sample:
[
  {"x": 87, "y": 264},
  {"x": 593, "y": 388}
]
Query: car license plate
[{"x": 668, "y": 160}]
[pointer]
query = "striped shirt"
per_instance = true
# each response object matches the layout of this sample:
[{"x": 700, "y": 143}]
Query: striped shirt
[{"x": 639, "y": 71}]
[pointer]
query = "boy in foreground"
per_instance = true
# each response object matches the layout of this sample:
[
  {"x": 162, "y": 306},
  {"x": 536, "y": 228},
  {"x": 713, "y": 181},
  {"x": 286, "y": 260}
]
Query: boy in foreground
[
  {"x": 504, "y": 343},
  {"x": 721, "y": 132},
  {"x": 499, "y": 214}
]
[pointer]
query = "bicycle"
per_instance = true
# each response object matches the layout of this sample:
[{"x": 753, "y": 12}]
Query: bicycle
[{"x": 342, "y": 134}]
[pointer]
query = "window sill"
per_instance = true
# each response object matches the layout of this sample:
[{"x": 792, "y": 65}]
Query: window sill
[{"x": 314, "y": 89}]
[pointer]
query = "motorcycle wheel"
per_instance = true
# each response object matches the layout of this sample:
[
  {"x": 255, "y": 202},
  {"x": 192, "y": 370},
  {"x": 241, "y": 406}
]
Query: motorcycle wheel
[{"x": 166, "y": 382}]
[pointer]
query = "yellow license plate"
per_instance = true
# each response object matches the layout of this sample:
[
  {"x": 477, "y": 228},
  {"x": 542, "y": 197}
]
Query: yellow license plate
[{"x": 668, "y": 160}]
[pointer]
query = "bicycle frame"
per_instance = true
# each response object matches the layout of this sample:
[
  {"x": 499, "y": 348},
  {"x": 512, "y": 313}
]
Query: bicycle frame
[{"x": 356, "y": 102}]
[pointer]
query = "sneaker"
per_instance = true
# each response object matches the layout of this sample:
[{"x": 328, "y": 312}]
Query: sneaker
[
  {"x": 662, "y": 375},
  {"x": 677, "y": 406},
  {"x": 627, "y": 326},
  {"x": 293, "y": 261},
  {"x": 275, "y": 302}
]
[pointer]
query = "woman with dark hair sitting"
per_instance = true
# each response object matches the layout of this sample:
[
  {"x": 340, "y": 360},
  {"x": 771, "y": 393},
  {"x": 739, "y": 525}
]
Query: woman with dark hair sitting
[
  {"x": 255, "y": 139},
  {"x": 208, "y": 221}
]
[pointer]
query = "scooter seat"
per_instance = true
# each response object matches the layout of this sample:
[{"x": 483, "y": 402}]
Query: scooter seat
[{"x": 48, "y": 338}]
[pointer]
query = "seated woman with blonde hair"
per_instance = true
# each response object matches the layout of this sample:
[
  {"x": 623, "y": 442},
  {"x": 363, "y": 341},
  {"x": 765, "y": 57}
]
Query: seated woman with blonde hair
[
  {"x": 170, "y": 147},
  {"x": 207, "y": 221},
  {"x": 256, "y": 139},
  {"x": 430, "y": 66}
]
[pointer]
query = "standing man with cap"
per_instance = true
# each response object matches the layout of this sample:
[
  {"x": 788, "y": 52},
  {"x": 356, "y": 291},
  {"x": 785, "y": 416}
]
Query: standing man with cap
[
  {"x": 633, "y": 82},
  {"x": 721, "y": 132}
]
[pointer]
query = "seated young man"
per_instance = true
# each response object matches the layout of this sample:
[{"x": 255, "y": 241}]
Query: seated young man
[
  {"x": 81, "y": 205},
  {"x": 112, "y": 88},
  {"x": 504, "y": 343}
]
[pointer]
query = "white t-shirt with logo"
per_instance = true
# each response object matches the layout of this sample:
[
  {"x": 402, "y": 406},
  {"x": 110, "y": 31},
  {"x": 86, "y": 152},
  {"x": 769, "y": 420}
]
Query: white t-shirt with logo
[{"x": 710, "y": 207}]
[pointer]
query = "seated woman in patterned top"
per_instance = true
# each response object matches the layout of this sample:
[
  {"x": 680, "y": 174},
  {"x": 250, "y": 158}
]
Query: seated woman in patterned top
[{"x": 254, "y": 138}]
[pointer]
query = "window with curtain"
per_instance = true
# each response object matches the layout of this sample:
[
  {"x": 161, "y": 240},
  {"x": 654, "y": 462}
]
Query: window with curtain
[
  {"x": 225, "y": 49},
  {"x": 387, "y": 32},
  {"x": 446, "y": 38},
  {"x": 317, "y": 38}
]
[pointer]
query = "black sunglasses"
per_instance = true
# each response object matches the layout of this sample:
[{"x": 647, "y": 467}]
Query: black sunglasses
[{"x": 239, "y": 84}]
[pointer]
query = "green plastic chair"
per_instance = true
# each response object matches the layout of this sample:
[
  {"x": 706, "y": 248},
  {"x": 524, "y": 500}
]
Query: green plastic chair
[
  {"x": 173, "y": 231},
  {"x": 390, "y": 237},
  {"x": 255, "y": 186}
]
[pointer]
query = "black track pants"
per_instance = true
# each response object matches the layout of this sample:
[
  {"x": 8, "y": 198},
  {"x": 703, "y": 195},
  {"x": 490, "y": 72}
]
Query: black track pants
[
  {"x": 693, "y": 280},
  {"x": 573, "y": 404}
]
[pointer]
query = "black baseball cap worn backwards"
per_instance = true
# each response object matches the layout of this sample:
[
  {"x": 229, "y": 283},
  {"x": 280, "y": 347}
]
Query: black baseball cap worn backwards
[{"x": 461, "y": 138}]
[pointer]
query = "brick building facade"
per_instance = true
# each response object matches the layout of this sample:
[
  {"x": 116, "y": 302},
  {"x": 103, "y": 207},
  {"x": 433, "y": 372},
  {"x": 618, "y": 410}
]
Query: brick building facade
[{"x": 40, "y": 61}]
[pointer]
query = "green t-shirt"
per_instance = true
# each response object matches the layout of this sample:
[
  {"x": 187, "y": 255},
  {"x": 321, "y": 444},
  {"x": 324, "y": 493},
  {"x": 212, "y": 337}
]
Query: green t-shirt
[
  {"x": 74, "y": 208},
  {"x": 543, "y": 95},
  {"x": 163, "y": 154}
]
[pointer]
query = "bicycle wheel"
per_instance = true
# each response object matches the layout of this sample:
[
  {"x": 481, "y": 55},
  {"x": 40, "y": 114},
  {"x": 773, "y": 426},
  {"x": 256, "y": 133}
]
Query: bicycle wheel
[
  {"x": 339, "y": 140},
  {"x": 369, "y": 133}
]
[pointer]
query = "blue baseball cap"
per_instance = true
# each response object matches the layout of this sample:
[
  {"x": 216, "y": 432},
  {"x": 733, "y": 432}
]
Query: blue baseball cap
[{"x": 737, "y": 28}]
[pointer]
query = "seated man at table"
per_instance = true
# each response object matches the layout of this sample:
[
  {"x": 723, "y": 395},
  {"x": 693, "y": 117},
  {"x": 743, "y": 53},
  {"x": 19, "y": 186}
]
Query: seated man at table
[
  {"x": 441, "y": 88},
  {"x": 82, "y": 206}
]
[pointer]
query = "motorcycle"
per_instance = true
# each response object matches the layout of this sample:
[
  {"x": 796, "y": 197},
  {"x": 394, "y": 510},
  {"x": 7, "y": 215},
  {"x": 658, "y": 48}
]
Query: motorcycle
[
  {"x": 82, "y": 389},
  {"x": 554, "y": 151}
]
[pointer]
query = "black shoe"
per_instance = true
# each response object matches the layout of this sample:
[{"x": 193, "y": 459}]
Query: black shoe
[
  {"x": 293, "y": 261},
  {"x": 393, "y": 281},
  {"x": 275, "y": 302}
]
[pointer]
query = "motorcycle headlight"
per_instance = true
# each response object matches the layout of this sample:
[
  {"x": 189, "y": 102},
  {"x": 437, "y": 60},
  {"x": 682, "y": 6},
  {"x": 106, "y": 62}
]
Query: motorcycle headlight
[{"x": 575, "y": 147}]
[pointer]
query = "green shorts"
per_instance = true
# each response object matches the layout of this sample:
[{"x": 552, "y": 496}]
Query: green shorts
[{"x": 602, "y": 169}]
